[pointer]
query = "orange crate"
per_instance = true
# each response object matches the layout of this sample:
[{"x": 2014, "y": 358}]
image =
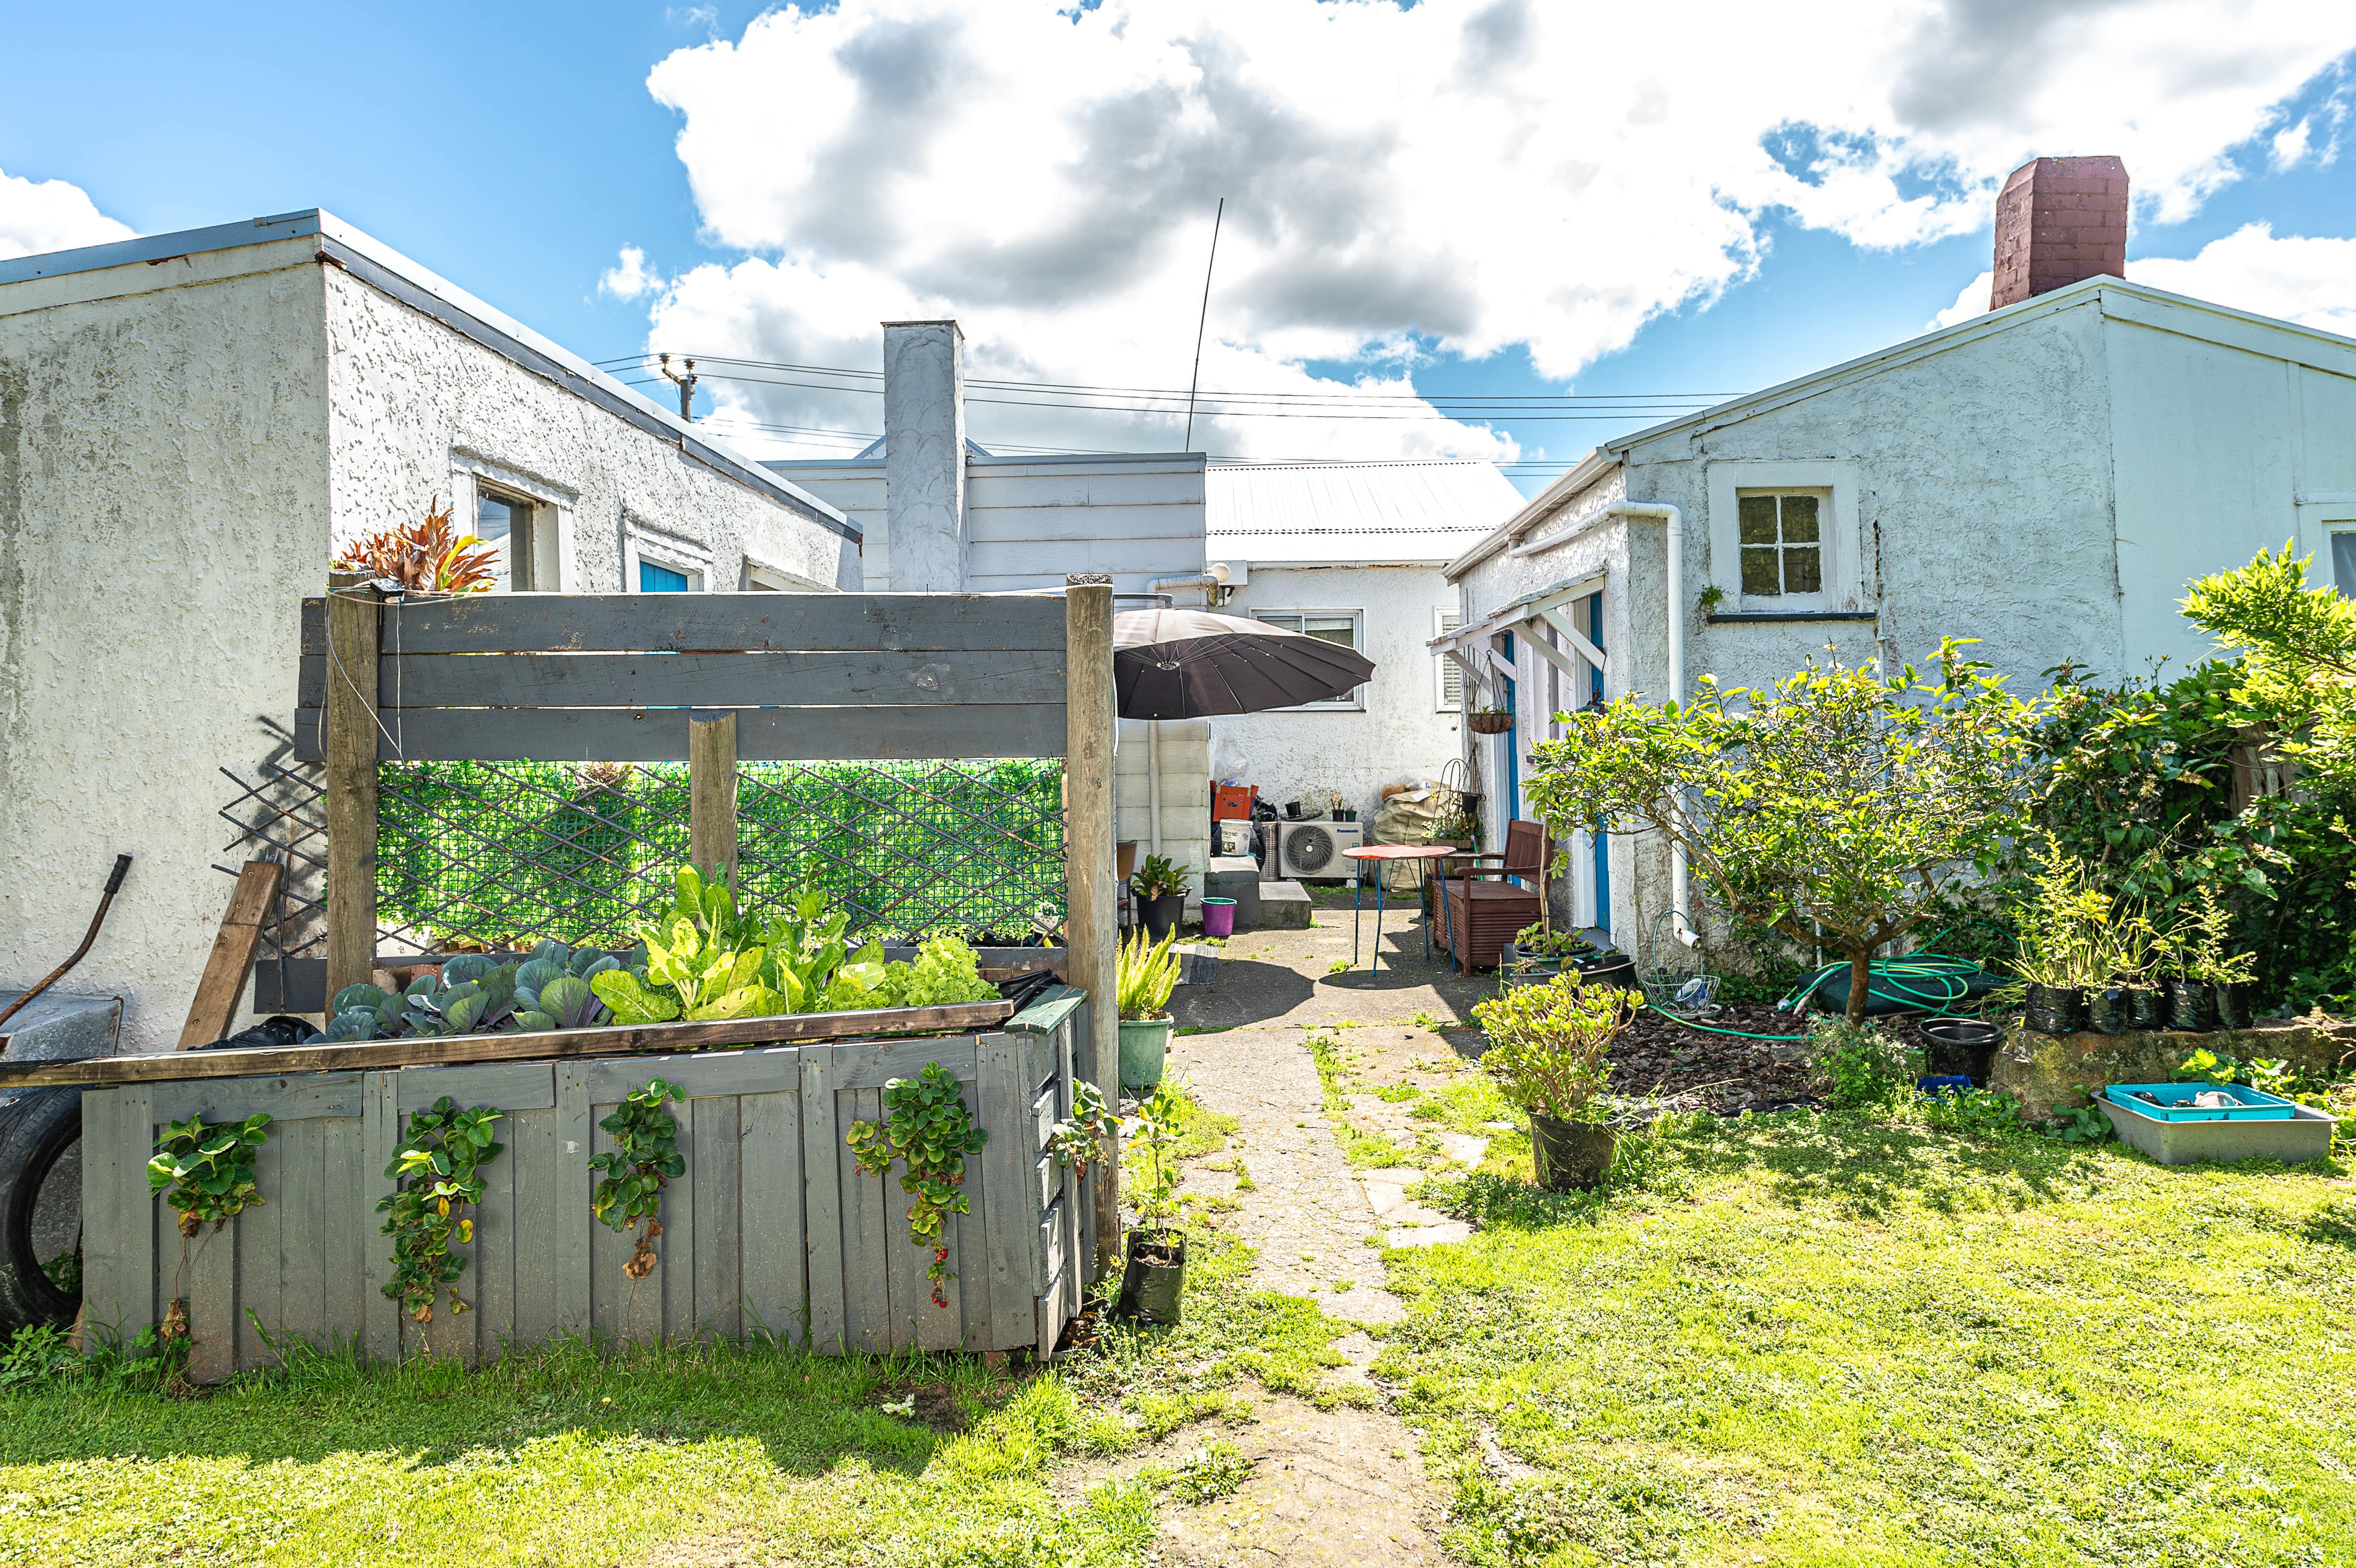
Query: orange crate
[{"x": 1231, "y": 802}]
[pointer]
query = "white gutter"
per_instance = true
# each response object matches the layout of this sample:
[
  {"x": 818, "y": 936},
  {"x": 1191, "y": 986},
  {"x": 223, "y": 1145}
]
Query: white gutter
[
  {"x": 1588, "y": 469},
  {"x": 1676, "y": 540}
]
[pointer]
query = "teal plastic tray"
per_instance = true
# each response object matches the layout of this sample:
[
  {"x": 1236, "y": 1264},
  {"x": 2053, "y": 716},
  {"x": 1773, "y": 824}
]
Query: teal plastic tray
[{"x": 2176, "y": 1102}]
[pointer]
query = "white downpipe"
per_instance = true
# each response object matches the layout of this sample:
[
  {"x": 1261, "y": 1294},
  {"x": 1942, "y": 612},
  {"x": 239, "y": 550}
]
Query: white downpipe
[{"x": 1679, "y": 878}]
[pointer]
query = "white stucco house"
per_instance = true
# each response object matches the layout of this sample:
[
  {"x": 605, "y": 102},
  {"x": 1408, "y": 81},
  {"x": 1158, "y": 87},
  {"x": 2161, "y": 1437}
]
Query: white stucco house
[
  {"x": 191, "y": 425},
  {"x": 1351, "y": 552},
  {"x": 2047, "y": 478}
]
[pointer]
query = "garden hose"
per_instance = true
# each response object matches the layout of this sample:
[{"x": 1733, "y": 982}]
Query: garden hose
[{"x": 1930, "y": 980}]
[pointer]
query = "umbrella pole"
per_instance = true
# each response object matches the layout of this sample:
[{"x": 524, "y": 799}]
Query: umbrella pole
[{"x": 1153, "y": 783}]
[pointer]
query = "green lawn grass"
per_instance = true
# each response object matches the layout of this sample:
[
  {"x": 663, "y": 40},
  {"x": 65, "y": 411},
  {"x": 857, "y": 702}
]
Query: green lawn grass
[{"x": 1828, "y": 1340}]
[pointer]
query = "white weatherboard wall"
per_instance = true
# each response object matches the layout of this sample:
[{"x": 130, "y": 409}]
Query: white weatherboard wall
[
  {"x": 1185, "y": 757},
  {"x": 182, "y": 446},
  {"x": 1031, "y": 520},
  {"x": 1402, "y": 730}
]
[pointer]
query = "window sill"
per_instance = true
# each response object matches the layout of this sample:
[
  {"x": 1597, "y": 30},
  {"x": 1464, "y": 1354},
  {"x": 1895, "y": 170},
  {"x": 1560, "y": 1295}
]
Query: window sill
[{"x": 1716, "y": 617}]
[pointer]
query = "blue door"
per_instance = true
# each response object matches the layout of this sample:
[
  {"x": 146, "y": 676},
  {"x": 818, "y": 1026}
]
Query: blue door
[
  {"x": 654, "y": 579},
  {"x": 1602, "y": 840}
]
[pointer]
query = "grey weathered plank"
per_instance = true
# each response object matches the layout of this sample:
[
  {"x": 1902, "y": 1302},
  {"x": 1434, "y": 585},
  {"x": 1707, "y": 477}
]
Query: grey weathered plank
[
  {"x": 379, "y": 1139},
  {"x": 304, "y": 1217},
  {"x": 673, "y": 1303},
  {"x": 514, "y": 1086},
  {"x": 1048, "y": 1179},
  {"x": 940, "y": 1328},
  {"x": 977, "y": 1330},
  {"x": 1045, "y": 1112},
  {"x": 702, "y": 680},
  {"x": 608, "y": 1249},
  {"x": 823, "y": 1203},
  {"x": 775, "y": 1263},
  {"x": 1049, "y": 1010},
  {"x": 1076, "y": 1214},
  {"x": 283, "y": 1099},
  {"x": 586, "y": 623},
  {"x": 553, "y": 1043},
  {"x": 348, "y": 1201},
  {"x": 758, "y": 1071},
  {"x": 574, "y": 1140},
  {"x": 661, "y": 734},
  {"x": 213, "y": 1323},
  {"x": 1078, "y": 1036},
  {"x": 547, "y": 1183},
  {"x": 872, "y": 1064},
  {"x": 1050, "y": 1311},
  {"x": 110, "y": 1234},
  {"x": 866, "y": 1281},
  {"x": 144, "y": 1214},
  {"x": 490, "y": 1282},
  {"x": 719, "y": 1232},
  {"x": 1013, "y": 1240},
  {"x": 1051, "y": 1242}
]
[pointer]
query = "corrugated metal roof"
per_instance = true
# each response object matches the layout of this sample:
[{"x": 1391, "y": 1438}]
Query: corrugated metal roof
[{"x": 1310, "y": 512}]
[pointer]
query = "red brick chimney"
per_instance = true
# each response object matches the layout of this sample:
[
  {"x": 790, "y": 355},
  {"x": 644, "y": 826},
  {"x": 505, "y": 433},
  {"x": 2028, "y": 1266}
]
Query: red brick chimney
[{"x": 2057, "y": 220}]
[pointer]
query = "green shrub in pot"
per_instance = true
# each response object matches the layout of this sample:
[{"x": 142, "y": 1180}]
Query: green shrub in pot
[
  {"x": 1146, "y": 975},
  {"x": 1549, "y": 1050}
]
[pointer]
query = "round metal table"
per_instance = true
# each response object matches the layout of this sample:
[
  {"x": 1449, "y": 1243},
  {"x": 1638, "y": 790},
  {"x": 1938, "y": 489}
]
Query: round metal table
[{"x": 1420, "y": 853}]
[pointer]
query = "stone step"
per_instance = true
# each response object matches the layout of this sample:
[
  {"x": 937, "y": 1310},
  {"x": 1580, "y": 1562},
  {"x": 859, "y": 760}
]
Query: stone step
[
  {"x": 1283, "y": 907},
  {"x": 1236, "y": 876}
]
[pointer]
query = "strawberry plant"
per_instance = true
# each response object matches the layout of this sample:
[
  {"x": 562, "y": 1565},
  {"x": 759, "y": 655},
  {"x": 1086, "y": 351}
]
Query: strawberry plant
[
  {"x": 1081, "y": 1138},
  {"x": 436, "y": 1176},
  {"x": 206, "y": 1172},
  {"x": 644, "y": 1158},
  {"x": 930, "y": 1128}
]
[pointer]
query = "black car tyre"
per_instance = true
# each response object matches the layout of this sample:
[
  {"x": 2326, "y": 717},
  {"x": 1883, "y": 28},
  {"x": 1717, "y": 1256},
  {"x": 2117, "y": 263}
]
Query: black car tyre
[{"x": 40, "y": 1204}]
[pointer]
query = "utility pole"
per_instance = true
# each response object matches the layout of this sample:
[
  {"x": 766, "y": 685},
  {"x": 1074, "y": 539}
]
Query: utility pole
[{"x": 686, "y": 385}]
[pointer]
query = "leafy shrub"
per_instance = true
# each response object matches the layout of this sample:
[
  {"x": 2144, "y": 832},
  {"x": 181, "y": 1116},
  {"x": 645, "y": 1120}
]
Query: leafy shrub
[
  {"x": 1860, "y": 1067},
  {"x": 1549, "y": 1046},
  {"x": 1980, "y": 1112},
  {"x": 206, "y": 1172}
]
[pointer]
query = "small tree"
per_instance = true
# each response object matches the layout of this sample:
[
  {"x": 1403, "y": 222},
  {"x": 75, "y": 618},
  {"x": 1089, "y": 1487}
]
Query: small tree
[
  {"x": 1834, "y": 809},
  {"x": 2298, "y": 657}
]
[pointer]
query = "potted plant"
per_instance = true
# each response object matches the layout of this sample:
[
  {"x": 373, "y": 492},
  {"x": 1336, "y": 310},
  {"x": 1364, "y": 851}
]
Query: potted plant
[
  {"x": 1153, "y": 1272},
  {"x": 2222, "y": 981},
  {"x": 1159, "y": 890},
  {"x": 1145, "y": 978},
  {"x": 1490, "y": 721},
  {"x": 1536, "y": 954},
  {"x": 2062, "y": 947},
  {"x": 1547, "y": 1048}
]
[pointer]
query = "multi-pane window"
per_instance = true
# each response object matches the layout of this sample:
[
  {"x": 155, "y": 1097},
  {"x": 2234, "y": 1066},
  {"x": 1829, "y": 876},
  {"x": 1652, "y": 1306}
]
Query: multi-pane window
[
  {"x": 1782, "y": 545},
  {"x": 1337, "y": 626},
  {"x": 504, "y": 524}
]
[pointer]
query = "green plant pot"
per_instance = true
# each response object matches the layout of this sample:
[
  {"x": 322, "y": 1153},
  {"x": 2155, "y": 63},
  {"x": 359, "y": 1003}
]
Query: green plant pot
[
  {"x": 1145, "y": 1046},
  {"x": 1572, "y": 1155}
]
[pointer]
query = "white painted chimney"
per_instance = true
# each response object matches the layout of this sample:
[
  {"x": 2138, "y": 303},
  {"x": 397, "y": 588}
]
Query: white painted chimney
[{"x": 924, "y": 455}]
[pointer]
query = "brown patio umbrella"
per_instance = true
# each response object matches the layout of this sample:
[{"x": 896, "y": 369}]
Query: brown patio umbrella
[{"x": 1191, "y": 664}]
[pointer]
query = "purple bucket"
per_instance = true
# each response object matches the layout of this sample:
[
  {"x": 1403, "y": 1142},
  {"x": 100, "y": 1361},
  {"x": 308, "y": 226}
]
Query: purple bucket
[{"x": 1219, "y": 916}]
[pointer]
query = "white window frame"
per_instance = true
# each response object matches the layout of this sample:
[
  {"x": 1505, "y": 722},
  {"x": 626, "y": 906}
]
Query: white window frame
[
  {"x": 1355, "y": 702},
  {"x": 1445, "y": 669},
  {"x": 1843, "y": 563},
  {"x": 555, "y": 564},
  {"x": 642, "y": 541},
  {"x": 760, "y": 579}
]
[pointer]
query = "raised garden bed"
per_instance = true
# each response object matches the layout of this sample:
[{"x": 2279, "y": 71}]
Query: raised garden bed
[{"x": 772, "y": 1228}]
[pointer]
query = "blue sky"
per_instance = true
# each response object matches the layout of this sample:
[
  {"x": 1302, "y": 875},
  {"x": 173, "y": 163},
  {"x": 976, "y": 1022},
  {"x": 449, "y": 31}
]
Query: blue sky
[{"x": 518, "y": 149}]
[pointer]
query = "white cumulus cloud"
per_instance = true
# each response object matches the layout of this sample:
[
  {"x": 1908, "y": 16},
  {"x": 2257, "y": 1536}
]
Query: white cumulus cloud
[
  {"x": 2309, "y": 281},
  {"x": 39, "y": 215},
  {"x": 1487, "y": 174},
  {"x": 629, "y": 277}
]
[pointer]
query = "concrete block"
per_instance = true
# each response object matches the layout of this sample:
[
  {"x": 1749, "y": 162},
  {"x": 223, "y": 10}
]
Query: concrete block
[
  {"x": 1236, "y": 876},
  {"x": 1283, "y": 907}
]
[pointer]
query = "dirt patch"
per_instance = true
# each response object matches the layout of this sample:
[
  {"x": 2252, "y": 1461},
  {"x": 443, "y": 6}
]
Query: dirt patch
[
  {"x": 931, "y": 1404},
  {"x": 1687, "y": 1069}
]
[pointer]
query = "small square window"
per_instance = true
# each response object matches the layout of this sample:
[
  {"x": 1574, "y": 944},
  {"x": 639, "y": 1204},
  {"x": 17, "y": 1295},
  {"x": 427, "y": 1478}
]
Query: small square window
[
  {"x": 505, "y": 522},
  {"x": 1782, "y": 545},
  {"x": 1337, "y": 626},
  {"x": 653, "y": 577},
  {"x": 2343, "y": 562}
]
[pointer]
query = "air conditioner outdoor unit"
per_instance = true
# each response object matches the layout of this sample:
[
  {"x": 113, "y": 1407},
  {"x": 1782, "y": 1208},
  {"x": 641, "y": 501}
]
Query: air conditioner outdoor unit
[{"x": 1314, "y": 849}]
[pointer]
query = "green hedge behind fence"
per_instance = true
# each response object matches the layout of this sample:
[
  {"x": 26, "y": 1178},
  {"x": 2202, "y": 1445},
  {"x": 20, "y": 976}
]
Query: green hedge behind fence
[{"x": 506, "y": 853}]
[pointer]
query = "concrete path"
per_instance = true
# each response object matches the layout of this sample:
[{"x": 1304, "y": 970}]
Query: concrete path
[{"x": 1341, "y": 1485}]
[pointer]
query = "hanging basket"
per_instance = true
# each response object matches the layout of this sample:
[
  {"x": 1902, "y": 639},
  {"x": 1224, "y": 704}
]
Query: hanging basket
[{"x": 1490, "y": 723}]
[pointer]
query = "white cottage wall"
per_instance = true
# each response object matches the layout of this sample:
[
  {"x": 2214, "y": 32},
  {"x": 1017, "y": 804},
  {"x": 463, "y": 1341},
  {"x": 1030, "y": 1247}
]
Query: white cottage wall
[
  {"x": 417, "y": 410},
  {"x": 1401, "y": 732},
  {"x": 164, "y": 490}
]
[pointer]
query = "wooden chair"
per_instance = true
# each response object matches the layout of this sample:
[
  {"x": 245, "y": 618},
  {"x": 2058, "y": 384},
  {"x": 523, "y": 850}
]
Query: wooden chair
[{"x": 1484, "y": 905}]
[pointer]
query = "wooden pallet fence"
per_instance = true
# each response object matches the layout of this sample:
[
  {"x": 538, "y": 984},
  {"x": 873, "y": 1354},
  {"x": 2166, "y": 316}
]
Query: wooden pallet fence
[{"x": 772, "y": 1231}]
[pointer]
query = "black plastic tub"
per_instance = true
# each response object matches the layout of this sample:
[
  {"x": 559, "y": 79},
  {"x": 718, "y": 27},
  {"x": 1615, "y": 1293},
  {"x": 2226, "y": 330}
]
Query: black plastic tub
[{"x": 1960, "y": 1048}]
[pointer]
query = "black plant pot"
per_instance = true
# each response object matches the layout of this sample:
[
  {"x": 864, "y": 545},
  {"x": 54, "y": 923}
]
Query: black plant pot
[
  {"x": 2146, "y": 1007},
  {"x": 2106, "y": 1010},
  {"x": 1572, "y": 1155},
  {"x": 1960, "y": 1048},
  {"x": 2233, "y": 1006},
  {"x": 2056, "y": 1009},
  {"x": 2191, "y": 1005},
  {"x": 1158, "y": 914},
  {"x": 1153, "y": 1277}
]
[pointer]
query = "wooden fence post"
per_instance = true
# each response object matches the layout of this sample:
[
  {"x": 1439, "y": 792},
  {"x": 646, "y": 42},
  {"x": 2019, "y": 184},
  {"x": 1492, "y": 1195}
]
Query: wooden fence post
[
  {"x": 350, "y": 749},
  {"x": 711, "y": 790},
  {"x": 1090, "y": 936}
]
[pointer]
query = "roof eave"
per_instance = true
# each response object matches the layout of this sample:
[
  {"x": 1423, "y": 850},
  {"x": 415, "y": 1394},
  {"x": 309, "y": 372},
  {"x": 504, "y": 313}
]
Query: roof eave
[{"x": 1582, "y": 474}]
